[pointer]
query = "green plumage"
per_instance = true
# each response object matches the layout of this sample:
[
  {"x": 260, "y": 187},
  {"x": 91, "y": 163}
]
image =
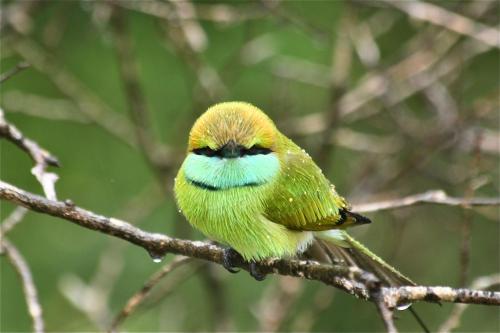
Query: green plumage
[{"x": 267, "y": 198}]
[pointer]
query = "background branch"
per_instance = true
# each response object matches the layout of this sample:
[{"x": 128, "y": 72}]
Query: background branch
[
  {"x": 457, "y": 23},
  {"x": 13, "y": 71},
  {"x": 438, "y": 197},
  {"x": 139, "y": 296},
  {"x": 21, "y": 267}
]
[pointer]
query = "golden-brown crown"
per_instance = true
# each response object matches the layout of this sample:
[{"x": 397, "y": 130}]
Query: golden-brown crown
[{"x": 243, "y": 123}]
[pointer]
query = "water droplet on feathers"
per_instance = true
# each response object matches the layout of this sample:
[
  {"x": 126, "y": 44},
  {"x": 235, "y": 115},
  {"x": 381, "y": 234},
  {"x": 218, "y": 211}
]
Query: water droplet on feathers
[{"x": 290, "y": 199}]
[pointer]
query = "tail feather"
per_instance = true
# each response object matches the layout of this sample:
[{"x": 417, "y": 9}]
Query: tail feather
[
  {"x": 372, "y": 262},
  {"x": 338, "y": 247}
]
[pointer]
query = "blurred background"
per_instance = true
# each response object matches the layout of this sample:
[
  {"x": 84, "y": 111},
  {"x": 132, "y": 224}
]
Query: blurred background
[{"x": 390, "y": 98}]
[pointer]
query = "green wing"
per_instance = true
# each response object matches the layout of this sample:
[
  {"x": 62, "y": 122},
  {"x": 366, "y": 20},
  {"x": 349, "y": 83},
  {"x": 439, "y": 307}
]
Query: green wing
[{"x": 303, "y": 199}]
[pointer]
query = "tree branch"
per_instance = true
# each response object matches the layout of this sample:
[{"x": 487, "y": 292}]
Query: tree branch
[
  {"x": 449, "y": 20},
  {"x": 158, "y": 245},
  {"x": 395, "y": 296},
  {"x": 30, "y": 293},
  {"x": 386, "y": 314},
  {"x": 350, "y": 279},
  {"x": 13, "y": 71},
  {"x": 12, "y": 220},
  {"x": 139, "y": 296},
  {"x": 42, "y": 158},
  {"x": 433, "y": 197},
  {"x": 453, "y": 321}
]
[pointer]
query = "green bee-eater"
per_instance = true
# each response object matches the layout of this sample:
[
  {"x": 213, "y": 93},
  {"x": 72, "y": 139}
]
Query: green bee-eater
[{"x": 245, "y": 184}]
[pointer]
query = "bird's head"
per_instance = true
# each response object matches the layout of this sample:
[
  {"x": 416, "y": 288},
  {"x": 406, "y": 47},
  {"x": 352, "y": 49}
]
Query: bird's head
[{"x": 232, "y": 145}]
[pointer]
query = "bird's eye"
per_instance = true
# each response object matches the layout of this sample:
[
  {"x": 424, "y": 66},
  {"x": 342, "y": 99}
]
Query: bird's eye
[
  {"x": 206, "y": 151},
  {"x": 257, "y": 150}
]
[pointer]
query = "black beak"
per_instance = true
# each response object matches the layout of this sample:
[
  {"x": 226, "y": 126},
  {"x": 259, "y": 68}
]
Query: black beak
[{"x": 231, "y": 150}]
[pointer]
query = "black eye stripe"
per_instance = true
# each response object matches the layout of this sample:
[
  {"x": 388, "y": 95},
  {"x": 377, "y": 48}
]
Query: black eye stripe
[
  {"x": 257, "y": 150},
  {"x": 206, "y": 151},
  {"x": 254, "y": 150}
]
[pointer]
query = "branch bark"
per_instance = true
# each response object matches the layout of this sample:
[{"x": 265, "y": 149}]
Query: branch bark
[{"x": 350, "y": 279}]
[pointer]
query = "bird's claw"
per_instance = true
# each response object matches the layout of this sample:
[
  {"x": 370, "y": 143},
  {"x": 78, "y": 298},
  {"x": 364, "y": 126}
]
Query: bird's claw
[
  {"x": 229, "y": 257},
  {"x": 230, "y": 260},
  {"x": 255, "y": 271}
]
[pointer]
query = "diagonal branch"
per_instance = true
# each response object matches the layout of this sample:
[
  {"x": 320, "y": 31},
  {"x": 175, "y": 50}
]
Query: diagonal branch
[
  {"x": 139, "y": 296},
  {"x": 30, "y": 293},
  {"x": 13, "y": 71},
  {"x": 350, "y": 279},
  {"x": 42, "y": 158},
  {"x": 437, "y": 15},
  {"x": 14, "y": 218}
]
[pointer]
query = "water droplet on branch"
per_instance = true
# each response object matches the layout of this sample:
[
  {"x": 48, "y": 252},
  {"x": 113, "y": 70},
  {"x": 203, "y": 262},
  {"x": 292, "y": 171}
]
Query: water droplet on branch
[{"x": 157, "y": 257}]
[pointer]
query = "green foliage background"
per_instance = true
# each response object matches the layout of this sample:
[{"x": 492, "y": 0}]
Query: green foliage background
[{"x": 102, "y": 173}]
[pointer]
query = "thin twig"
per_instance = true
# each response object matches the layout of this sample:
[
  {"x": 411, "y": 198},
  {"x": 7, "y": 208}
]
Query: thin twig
[
  {"x": 92, "y": 298},
  {"x": 89, "y": 104},
  {"x": 414, "y": 73},
  {"x": 212, "y": 88},
  {"x": 42, "y": 158},
  {"x": 30, "y": 292},
  {"x": 279, "y": 11},
  {"x": 216, "y": 290},
  {"x": 350, "y": 279},
  {"x": 42, "y": 107},
  {"x": 387, "y": 316},
  {"x": 13, "y": 71},
  {"x": 139, "y": 296},
  {"x": 465, "y": 245},
  {"x": 12, "y": 220},
  {"x": 442, "y": 17},
  {"x": 438, "y": 197}
]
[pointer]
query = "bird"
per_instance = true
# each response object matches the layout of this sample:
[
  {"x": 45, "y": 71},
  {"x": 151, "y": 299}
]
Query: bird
[{"x": 248, "y": 186}]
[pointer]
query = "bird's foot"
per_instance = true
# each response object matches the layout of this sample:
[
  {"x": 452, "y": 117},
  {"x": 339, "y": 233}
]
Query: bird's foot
[
  {"x": 255, "y": 271},
  {"x": 229, "y": 258}
]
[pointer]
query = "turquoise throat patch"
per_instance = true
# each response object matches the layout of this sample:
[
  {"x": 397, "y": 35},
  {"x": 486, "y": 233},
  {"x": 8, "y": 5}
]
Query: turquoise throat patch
[{"x": 215, "y": 173}]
